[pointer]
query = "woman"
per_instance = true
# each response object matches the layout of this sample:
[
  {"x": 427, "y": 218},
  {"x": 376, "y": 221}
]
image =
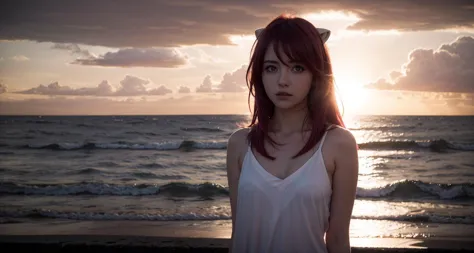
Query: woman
[{"x": 288, "y": 191}]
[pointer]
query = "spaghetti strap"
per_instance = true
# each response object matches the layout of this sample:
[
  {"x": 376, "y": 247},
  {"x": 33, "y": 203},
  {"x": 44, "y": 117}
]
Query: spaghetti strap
[
  {"x": 331, "y": 126},
  {"x": 322, "y": 139}
]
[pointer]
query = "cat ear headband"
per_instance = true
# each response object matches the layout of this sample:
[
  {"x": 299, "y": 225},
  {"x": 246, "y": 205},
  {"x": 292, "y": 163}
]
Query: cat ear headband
[{"x": 324, "y": 33}]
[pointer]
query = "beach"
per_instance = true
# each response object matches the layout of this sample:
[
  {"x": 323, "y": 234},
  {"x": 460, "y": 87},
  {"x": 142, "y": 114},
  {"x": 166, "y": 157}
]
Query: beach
[{"x": 53, "y": 235}]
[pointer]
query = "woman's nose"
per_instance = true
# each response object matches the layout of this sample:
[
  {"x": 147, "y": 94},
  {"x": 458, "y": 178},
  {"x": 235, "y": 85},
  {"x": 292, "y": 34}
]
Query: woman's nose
[{"x": 283, "y": 78}]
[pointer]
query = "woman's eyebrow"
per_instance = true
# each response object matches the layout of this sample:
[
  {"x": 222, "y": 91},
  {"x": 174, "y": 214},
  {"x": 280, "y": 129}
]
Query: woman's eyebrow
[
  {"x": 271, "y": 61},
  {"x": 277, "y": 62}
]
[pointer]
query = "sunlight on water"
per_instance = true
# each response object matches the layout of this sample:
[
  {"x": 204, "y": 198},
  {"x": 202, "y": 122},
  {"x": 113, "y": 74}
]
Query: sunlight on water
[
  {"x": 369, "y": 177},
  {"x": 378, "y": 209}
]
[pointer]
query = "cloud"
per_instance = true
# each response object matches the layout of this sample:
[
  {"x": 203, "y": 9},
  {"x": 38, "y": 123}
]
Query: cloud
[
  {"x": 448, "y": 69},
  {"x": 20, "y": 58},
  {"x": 206, "y": 58},
  {"x": 129, "y": 86},
  {"x": 128, "y": 57},
  {"x": 103, "y": 89},
  {"x": 51, "y": 89},
  {"x": 132, "y": 86},
  {"x": 222, "y": 103},
  {"x": 60, "y": 105},
  {"x": 3, "y": 88},
  {"x": 206, "y": 85},
  {"x": 184, "y": 89},
  {"x": 231, "y": 82},
  {"x": 162, "y": 90},
  {"x": 73, "y": 49},
  {"x": 162, "y": 23},
  {"x": 234, "y": 82},
  {"x": 136, "y": 57},
  {"x": 465, "y": 100}
]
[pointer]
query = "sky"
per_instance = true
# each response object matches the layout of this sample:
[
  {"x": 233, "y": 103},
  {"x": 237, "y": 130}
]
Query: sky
[{"x": 189, "y": 57}]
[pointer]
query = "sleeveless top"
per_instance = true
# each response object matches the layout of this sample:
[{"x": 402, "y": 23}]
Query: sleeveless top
[{"x": 282, "y": 215}]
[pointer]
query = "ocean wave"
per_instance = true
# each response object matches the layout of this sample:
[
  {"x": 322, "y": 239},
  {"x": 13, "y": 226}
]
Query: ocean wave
[
  {"x": 415, "y": 189},
  {"x": 439, "y": 145},
  {"x": 31, "y": 131},
  {"x": 88, "y": 171},
  {"x": 171, "y": 189},
  {"x": 141, "y": 133},
  {"x": 383, "y": 128},
  {"x": 424, "y": 218},
  {"x": 186, "y": 145},
  {"x": 40, "y": 122},
  {"x": 201, "y": 129},
  {"x": 84, "y": 125},
  {"x": 152, "y": 165},
  {"x": 406, "y": 189},
  {"x": 149, "y": 175},
  {"x": 45, "y": 213},
  {"x": 219, "y": 214}
]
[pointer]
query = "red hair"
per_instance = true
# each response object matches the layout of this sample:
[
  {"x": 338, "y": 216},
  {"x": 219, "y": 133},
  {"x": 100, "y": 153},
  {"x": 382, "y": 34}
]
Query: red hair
[{"x": 301, "y": 42}]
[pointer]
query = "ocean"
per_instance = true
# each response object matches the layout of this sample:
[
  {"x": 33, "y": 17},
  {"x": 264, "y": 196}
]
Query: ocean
[{"x": 416, "y": 172}]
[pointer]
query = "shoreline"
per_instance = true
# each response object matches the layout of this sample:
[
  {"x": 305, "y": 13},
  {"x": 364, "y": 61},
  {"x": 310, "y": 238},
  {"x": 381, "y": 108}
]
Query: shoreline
[
  {"x": 138, "y": 244},
  {"x": 54, "y": 235}
]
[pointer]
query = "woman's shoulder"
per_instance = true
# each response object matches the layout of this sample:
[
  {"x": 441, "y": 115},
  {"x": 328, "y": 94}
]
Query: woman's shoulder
[
  {"x": 237, "y": 146},
  {"x": 239, "y": 137},
  {"x": 341, "y": 137}
]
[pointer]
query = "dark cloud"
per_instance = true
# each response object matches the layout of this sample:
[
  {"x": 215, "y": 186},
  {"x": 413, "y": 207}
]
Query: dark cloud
[
  {"x": 184, "y": 89},
  {"x": 164, "y": 23},
  {"x": 128, "y": 57},
  {"x": 135, "y": 57},
  {"x": 73, "y": 49},
  {"x": 448, "y": 69},
  {"x": 129, "y": 86},
  {"x": 3, "y": 88}
]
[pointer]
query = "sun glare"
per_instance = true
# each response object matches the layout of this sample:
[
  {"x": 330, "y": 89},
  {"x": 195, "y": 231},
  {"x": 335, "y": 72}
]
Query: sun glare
[{"x": 351, "y": 96}]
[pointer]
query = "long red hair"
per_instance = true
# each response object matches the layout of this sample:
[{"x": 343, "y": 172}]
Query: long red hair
[{"x": 301, "y": 42}]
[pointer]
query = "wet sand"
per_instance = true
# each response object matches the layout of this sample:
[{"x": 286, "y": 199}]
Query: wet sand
[{"x": 52, "y": 235}]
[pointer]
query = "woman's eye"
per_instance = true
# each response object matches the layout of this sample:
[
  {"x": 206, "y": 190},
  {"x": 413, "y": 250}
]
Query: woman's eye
[
  {"x": 270, "y": 68},
  {"x": 298, "y": 68}
]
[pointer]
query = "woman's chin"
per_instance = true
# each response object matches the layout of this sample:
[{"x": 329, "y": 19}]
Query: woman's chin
[{"x": 284, "y": 104}]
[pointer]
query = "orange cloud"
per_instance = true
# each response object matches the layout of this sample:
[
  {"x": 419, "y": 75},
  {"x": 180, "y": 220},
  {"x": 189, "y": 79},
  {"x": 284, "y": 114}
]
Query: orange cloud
[{"x": 448, "y": 69}]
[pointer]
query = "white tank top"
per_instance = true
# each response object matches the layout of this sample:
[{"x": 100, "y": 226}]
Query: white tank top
[{"x": 282, "y": 215}]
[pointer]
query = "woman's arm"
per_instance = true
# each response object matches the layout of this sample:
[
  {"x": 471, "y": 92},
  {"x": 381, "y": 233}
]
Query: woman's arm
[
  {"x": 233, "y": 171},
  {"x": 344, "y": 187}
]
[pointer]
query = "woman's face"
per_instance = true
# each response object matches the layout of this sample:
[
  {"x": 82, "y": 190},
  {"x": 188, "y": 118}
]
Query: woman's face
[{"x": 286, "y": 86}]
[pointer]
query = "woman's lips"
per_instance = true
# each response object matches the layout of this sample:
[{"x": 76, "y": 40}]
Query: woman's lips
[{"x": 283, "y": 95}]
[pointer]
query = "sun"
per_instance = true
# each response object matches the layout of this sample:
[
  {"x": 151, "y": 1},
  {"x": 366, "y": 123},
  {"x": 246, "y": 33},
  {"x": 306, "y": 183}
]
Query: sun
[{"x": 351, "y": 96}]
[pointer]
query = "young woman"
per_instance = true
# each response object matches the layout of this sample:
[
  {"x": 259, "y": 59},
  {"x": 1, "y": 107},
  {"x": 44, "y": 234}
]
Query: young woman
[{"x": 293, "y": 173}]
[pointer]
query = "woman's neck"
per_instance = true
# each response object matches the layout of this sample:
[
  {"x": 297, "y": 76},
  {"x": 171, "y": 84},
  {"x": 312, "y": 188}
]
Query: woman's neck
[{"x": 289, "y": 120}]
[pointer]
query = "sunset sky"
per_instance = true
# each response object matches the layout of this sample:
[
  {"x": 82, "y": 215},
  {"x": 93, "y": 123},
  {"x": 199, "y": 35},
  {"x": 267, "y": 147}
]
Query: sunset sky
[{"x": 189, "y": 57}]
